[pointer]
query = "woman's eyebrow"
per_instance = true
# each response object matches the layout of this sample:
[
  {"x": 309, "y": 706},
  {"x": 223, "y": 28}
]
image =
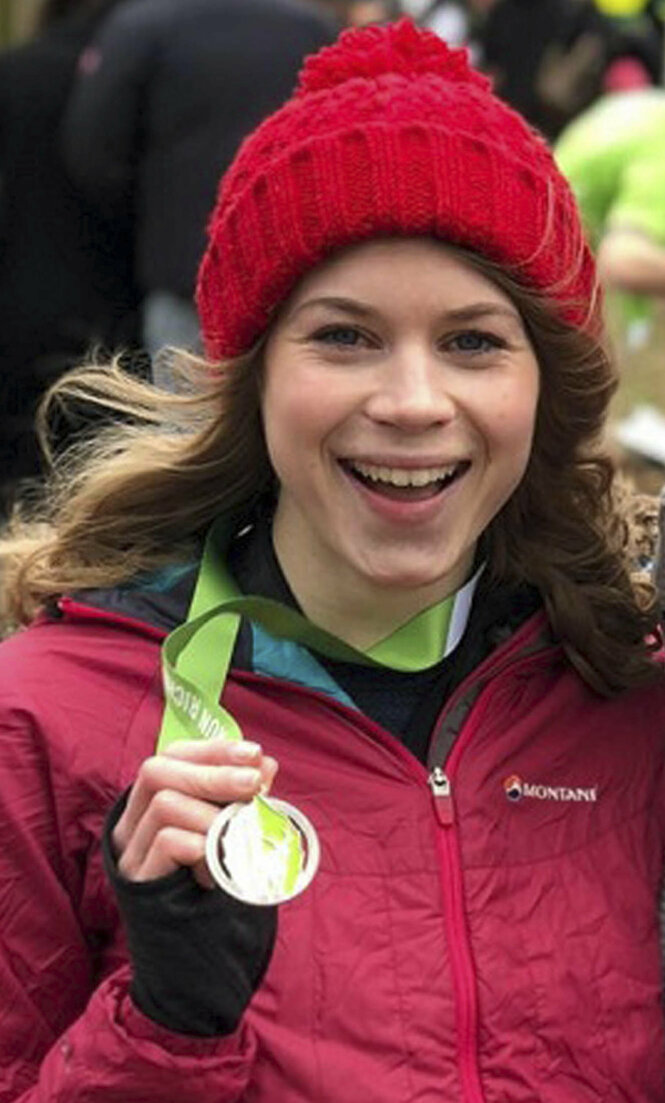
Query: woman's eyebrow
[
  {"x": 482, "y": 310},
  {"x": 335, "y": 302},
  {"x": 359, "y": 309}
]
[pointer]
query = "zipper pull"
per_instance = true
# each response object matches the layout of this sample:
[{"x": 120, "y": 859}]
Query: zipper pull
[{"x": 439, "y": 783}]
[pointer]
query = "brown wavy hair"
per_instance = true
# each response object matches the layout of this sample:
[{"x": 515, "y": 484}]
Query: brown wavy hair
[{"x": 140, "y": 494}]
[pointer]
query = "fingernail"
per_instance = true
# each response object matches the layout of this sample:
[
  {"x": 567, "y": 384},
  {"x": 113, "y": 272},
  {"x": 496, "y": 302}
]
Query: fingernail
[
  {"x": 247, "y": 779},
  {"x": 245, "y": 750}
]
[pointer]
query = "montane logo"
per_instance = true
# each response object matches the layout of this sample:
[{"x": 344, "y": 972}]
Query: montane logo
[{"x": 516, "y": 789}]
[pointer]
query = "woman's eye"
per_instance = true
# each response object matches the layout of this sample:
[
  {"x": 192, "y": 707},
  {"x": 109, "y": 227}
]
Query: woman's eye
[
  {"x": 474, "y": 341},
  {"x": 340, "y": 336}
]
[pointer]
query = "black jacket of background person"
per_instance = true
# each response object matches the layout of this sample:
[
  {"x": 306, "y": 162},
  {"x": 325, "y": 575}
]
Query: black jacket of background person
[
  {"x": 65, "y": 277},
  {"x": 516, "y": 37},
  {"x": 178, "y": 85},
  {"x": 66, "y": 281}
]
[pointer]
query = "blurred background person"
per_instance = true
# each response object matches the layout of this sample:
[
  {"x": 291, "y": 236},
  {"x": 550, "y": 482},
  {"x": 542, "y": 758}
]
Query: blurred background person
[
  {"x": 548, "y": 58},
  {"x": 449, "y": 19},
  {"x": 360, "y": 13},
  {"x": 65, "y": 268},
  {"x": 635, "y": 11},
  {"x": 614, "y": 156},
  {"x": 168, "y": 91}
]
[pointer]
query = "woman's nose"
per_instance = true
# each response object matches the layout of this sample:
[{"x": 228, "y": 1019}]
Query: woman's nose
[{"x": 412, "y": 391}]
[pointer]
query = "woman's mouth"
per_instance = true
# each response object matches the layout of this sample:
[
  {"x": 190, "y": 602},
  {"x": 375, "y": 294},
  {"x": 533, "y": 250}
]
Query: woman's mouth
[{"x": 406, "y": 484}]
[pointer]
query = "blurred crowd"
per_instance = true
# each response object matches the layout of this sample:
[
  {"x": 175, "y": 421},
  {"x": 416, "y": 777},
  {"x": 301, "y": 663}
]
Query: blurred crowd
[{"x": 118, "y": 116}]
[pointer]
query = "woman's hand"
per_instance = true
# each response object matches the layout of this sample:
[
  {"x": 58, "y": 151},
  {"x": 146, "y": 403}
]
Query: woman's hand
[
  {"x": 197, "y": 957},
  {"x": 174, "y": 800}
]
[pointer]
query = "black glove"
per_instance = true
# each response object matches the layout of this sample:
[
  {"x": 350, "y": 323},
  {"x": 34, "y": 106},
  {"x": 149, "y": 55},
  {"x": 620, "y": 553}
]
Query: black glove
[{"x": 198, "y": 955}]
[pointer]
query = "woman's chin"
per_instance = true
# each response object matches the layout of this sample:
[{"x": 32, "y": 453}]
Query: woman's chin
[{"x": 401, "y": 579}]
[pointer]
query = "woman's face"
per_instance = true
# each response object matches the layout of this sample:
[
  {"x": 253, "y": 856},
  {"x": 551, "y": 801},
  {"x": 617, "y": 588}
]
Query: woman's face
[{"x": 399, "y": 405}]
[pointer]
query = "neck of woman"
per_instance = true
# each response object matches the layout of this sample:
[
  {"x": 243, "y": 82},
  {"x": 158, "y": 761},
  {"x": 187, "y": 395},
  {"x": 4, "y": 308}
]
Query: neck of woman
[{"x": 357, "y": 609}]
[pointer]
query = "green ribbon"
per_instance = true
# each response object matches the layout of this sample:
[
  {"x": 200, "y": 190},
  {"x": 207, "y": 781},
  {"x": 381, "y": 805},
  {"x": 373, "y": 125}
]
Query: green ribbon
[{"x": 196, "y": 656}]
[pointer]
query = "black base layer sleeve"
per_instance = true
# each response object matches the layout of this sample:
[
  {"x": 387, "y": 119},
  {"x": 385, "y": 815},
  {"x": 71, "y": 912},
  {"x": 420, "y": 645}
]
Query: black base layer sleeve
[{"x": 198, "y": 955}]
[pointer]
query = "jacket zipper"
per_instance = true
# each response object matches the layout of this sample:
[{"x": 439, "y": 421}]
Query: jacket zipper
[
  {"x": 459, "y": 949},
  {"x": 463, "y": 971}
]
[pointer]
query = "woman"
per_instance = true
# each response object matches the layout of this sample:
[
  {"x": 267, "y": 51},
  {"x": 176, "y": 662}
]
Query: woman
[{"x": 389, "y": 468}]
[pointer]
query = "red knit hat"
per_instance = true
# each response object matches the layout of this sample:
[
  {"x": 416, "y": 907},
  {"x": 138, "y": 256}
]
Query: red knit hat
[{"x": 390, "y": 132}]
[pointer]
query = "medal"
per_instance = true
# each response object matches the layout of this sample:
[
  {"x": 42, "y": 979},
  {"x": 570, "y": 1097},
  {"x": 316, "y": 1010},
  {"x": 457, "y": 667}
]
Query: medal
[{"x": 262, "y": 852}]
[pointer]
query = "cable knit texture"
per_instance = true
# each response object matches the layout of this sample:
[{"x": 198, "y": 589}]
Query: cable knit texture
[{"x": 389, "y": 133}]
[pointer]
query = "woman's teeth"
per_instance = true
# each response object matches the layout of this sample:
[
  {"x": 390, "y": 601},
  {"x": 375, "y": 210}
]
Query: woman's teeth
[{"x": 402, "y": 476}]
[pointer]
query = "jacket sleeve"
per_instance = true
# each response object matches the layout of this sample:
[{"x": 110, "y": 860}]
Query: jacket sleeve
[
  {"x": 65, "y": 1037},
  {"x": 101, "y": 129},
  {"x": 112, "y": 1054}
]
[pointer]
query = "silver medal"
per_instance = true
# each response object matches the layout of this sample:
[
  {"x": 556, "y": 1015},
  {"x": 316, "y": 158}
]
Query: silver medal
[{"x": 262, "y": 852}]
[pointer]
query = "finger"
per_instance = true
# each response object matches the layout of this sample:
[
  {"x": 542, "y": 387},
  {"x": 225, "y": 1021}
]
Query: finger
[
  {"x": 215, "y": 751},
  {"x": 268, "y": 770},
  {"x": 212, "y": 751},
  {"x": 172, "y": 847},
  {"x": 202, "y": 874},
  {"x": 218, "y": 784},
  {"x": 174, "y": 808},
  {"x": 167, "y": 809},
  {"x": 219, "y": 752}
]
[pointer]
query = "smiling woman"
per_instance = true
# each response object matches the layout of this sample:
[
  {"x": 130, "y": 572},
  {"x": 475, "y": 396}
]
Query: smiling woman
[
  {"x": 374, "y": 545},
  {"x": 397, "y": 428}
]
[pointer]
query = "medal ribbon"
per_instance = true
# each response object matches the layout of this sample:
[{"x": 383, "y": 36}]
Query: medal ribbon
[{"x": 197, "y": 654}]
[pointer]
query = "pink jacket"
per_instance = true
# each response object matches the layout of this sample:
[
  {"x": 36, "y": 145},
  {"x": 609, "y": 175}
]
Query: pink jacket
[{"x": 491, "y": 937}]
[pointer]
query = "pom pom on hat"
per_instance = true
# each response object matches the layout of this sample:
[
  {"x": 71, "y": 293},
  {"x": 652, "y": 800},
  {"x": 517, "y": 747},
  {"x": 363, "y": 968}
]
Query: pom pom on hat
[
  {"x": 374, "y": 51},
  {"x": 389, "y": 133}
]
